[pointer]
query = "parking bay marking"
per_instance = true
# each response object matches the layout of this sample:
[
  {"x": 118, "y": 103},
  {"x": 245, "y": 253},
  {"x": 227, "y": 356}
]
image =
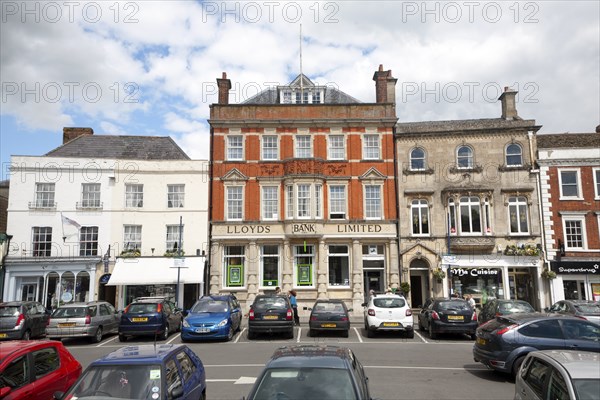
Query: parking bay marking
[{"x": 242, "y": 380}]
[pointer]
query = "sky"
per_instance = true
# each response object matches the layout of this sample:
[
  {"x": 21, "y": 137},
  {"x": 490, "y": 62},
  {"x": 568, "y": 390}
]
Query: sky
[{"x": 150, "y": 67}]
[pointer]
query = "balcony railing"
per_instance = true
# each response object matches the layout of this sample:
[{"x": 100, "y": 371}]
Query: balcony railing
[
  {"x": 89, "y": 205},
  {"x": 42, "y": 205}
]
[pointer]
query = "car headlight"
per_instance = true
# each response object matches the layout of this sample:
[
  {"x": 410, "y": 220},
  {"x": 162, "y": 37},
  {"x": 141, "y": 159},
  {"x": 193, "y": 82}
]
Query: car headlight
[
  {"x": 222, "y": 323},
  {"x": 186, "y": 323}
]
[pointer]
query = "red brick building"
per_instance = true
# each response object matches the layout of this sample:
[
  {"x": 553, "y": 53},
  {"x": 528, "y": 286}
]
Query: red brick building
[
  {"x": 303, "y": 192},
  {"x": 570, "y": 190}
]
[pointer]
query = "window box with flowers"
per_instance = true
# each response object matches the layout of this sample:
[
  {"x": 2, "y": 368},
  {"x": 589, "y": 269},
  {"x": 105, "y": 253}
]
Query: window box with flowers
[
  {"x": 439, "y": 274},
  {"x": 523, "y": 250},
  {"x": 131, "y": 253},
  {"x": 548, "y": 274},
  {"x": 173, "y": 253}
]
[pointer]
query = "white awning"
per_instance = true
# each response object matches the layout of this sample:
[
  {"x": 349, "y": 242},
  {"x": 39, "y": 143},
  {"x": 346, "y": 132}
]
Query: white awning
[{"x": 159, "y": 270}]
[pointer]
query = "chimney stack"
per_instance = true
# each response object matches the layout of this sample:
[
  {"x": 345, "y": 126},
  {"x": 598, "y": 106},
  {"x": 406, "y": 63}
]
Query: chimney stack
[
  {"x": 224, "y": 85},
  {"x": 385, "y": 86},
  {"x": 72, "y": 133},
  {"x": 509, "y": 109}
]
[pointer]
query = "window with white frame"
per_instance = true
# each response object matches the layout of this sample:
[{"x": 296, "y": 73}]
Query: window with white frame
[
  {"x": 88, "y": 241},
  {"x": 303, "y": 146},
  {"x": 289, "y": 190},
  {"x": 235, "y": 148},
  {"x": 371, "y": 150},
  {"x": 470, "y": 215},
  {"x": 233, "y": 262},
  {"x": 175, "y": 196},
  {"x": 451, "y": 216},
  {"x": 420, "y": 217},
  {"x": 270, "y": 209},
  {"x": 336, "y": 150},
  {"x": 373, "y": 202},
  {"x": 514, "y": 155},
  {"x": 318, "y": 197},
  {"x": 174, "y": 241},
  {"x": 304, "y": 257},
  {"x": 235, "y": 202},
  {"x": 464, "y": 157},
  {"x": 90, "y": 195},
  {"x": 518, "y": 215},
  {"x": 596, "y": 172},
  {"x": 316, "y": 97},
  {"x": 270, "y": 149},
  {"x": 287, "y": 97},
  {"x": 337, "y": 202},
  {"x": 304, "y": 200},
  {"x": 132, "y": 237},
  {"x": 417, "y": 159},
  {"x": 41, "y": 241},
  {"x": 574, "y": 232},
  {"x": 134, "y": 195},
  {"x": 304, "y": 203},
  {"x": 44, "y": 195},
  {"x": 339, "y": 265},
  {"x": 269, "y": 266},
  {"x": 569, "y": 184}
]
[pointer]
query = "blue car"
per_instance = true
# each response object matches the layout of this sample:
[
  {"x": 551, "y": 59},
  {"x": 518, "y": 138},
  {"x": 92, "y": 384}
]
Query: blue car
[
  {"x": 164, "y": 371},
  {"x": 212, "y": 317}
]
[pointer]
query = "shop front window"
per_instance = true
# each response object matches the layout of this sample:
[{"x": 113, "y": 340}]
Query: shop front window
[
  {"x": 67, "y": 288},
  {"x": 234, "y": 266},
  {"x": 339, "y": 266},
  {"x": 133, "y": 292},
  {"x": 270, "y": 266},
  {"x": 482, "y": 283},
  {"x": 303, "y": 265},
  {"x": 82, "y": 287}
]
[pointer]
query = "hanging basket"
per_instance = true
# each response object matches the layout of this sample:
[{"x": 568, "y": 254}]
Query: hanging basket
[{"x": 548, "y": 274}]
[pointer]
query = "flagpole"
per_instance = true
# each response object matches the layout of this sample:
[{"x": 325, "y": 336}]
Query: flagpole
[{"x": 62, "y": 224}]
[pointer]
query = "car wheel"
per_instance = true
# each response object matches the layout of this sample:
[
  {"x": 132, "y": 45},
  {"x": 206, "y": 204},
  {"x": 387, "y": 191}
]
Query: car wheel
[
  {"x": 290, "y": 334},
  {"x": 516, "y": 365},
  {"x": 311, "y": 333},
  {"x": 97, "y": 338},
  {"x": 432, "y": 334},
  {"x": 230, "y": 333},
  {"x": 370, "y": 333},
  {"x": 410, "y": 334},
  {"x": 203, "y": 395},
  {"x": 27, "y": 335},
  {"x": 473, "y": 336},
  {"x": 345, "y": 334},
  {"x": 122, "y": 338},
  {"x": 165, "y": 334},
  {"x": 251, "y": 334},
  {"x": 421, "y": 327}
]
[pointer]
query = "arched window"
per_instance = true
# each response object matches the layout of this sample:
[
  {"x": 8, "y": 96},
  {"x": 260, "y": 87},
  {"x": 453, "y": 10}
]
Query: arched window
[
  {"x": 417, "y": 159},
  {"x": 514, "y": 155},
  {"x": 464, "y": 157},
  {"x": 420, "y": 217}
]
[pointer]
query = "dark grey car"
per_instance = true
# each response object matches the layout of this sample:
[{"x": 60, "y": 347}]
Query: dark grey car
[
  {"x": 22, "y": 320},
  {"x": 329, "y": 315},
  {"x": 271, "y": 313},
  {"x": 92, "y": 320},
  {"x": 586, "y": 309}
]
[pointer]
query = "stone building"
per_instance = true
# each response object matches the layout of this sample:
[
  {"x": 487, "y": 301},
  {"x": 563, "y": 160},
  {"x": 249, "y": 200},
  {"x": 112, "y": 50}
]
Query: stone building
[
  {"x": 469, "y": 216},
  {"x": 570, "y": 190},
  {"x": 303, "y": 192}
]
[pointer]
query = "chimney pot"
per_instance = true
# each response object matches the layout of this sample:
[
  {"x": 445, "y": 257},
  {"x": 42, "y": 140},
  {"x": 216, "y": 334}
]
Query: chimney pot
[
  {"x": 509, "y": 108},
  {"x": 385, "y": 86},
  {"x": 224, "y": 86}
]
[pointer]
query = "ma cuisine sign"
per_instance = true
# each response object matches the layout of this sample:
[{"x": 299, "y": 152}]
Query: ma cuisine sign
[{"x": 474, "y": 271}]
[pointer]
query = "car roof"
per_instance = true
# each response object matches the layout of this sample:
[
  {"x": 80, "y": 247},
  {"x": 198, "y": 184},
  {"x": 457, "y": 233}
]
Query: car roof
[
  {"x": 11, "y": 346},
  {"x": 310, "y": 356},
  {"x": 81, "y": 304},
  {"x": 223, "y": 297},
  {"x": 329, "y": 301},
  {"x": 15, "y": 303},
  {"x": 142, "y": 354},
  {"x": 522, "y": 318},
  {"x": 388, "y": 295},
  {"x": 579, "y": 364},
  {"x": 148, "y": 300}
]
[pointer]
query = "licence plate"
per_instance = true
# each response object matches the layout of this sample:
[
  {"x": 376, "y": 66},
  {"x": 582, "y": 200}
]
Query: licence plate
[
  {"x": 145, "y": 319},
  {"x": 391, "y": 324},
  {"x": 328, "y": 325},
  {"x": 3, "y": 335},
  {"x": 455, "y": 317},
  {"x": 66, "y": 324},
  {"x": 202, "y": 330},
  {"x": 270, "y": 317},
  {"x": 481, "y": 341}
]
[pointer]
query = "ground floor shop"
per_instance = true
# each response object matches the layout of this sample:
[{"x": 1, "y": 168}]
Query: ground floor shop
[
  {"x": 52, "y": 282},
  {"x": 576, "y": 280},
  {"x": 318, "y": 260}
]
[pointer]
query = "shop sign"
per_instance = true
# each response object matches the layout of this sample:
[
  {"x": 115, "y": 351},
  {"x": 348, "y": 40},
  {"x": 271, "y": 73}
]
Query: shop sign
[
  {"x": 104, "y": 279},
  {"x": 576, "y": 267},
  {"x": 474, "y": 271}
]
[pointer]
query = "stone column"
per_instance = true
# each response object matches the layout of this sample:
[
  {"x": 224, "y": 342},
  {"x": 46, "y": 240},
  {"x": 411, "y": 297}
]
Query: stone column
[
  {"x": 253, "y": 276},
  {"x": 287, "y": 268},
  {"x": 216, "y": 268},
  {"x": 394, "y": 269},
  {"x": 358, "y": 288},
  {"x": 322, "y": 270}
]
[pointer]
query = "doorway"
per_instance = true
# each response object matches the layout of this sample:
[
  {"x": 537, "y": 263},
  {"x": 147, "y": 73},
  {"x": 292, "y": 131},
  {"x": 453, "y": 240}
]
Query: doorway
[
  {"x": 416, "y": 294},
  {"x": 373, "y": 279},
  {"x": 521, "y": 286}
]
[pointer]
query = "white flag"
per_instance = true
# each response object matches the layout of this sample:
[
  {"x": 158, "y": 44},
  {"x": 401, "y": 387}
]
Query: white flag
[{"x": 69, "y": 221}]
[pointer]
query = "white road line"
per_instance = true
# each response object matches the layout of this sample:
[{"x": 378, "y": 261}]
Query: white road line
[
  {"x": 232, "y": 365},
  {"x": 221, "y": 380},
  {"x": 299, "y": 335},
  {"x": 421, "y": 337},
  {"x": 239, "y": 335},
  {"x": 358, "y": 334},
  {"x": 109, "y": 340},
  {"x": 173, "y": 338},
  {"x": 482, "y": 368}
]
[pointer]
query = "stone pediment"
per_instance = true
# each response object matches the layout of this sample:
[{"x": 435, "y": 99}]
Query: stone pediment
[
  {"x": 372, "y": 175},
  {"x": 234, "y": 175}
]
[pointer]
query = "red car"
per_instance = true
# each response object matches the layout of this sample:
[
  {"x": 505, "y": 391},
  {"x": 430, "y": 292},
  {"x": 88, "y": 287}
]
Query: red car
[{"x": 36, "y": 369}]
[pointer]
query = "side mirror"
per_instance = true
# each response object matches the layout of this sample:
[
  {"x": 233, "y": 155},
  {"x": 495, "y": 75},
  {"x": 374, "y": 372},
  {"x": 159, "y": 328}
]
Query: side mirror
[
  {"x": 4, "y": 391},
  {"x": 55, "y": 395},
  {"x": 364, "y": 304},
  {"x": 546, "y": 309},
  {"x": 48, "y": 311},
  {"x": 177, "y": 392},
  {"x": 350, "y": 309}
]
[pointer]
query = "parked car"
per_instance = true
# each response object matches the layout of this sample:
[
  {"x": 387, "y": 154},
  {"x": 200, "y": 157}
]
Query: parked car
[
  {"x": 502, "y": 343},
  {"x": 587, "y": 309},
  {"x": 212, "y": 317},
  {"x": 23, "y": 320},
  {"x": 36, "y": 369},
  {"x": 388, "y": 313},
  {"x": 559, "y": 374},
  {"x": 150, "y": 316},
  {"x": 312, "y": 372},
  {"x": 329, "y": 315},
  {"x": 271, "y": 313},
  {"x": 441, "y": 315},
  {"x": 497, "y": 307},
  {"x": 164, "y": 371},
  {"x": 91, "y": 320}
]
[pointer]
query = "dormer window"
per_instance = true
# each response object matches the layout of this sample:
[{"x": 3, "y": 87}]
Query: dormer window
[{"x": 287, "y": 97}]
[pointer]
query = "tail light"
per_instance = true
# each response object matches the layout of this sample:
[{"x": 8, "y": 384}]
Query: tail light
[
  {"x": 126, "y": 309},
  {"x": 506, "y": 329},
  {"x": 159, "y": 307},
  {"x": 344, "y": 319},
  {"x": 408, "y": 312},
  {"x": 88, "y": 320},
  {"x": 48, "y": 322},
  {"x": 498, "y": 314},
  {"x": 251, "y": 314},
  {"x": 313, "y": 318},
  {"x": 371, "y": 312},
  {"x": 434, "y": 315},
  {"x": 20, "y": 320},
  {"x": 474, "y": 317},
  {"x": 289, "y": 315}
]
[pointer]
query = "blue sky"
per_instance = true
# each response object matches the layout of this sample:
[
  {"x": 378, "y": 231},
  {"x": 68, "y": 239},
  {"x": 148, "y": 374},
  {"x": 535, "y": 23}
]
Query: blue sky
[{"x": 149, "y": 67}]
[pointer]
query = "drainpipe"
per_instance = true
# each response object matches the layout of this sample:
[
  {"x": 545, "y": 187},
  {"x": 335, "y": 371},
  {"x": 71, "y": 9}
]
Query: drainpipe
[
  {"x": 3, "y": 275},
  {"x": 396, "y": 194},
  {"x": 208, "y": 260}
]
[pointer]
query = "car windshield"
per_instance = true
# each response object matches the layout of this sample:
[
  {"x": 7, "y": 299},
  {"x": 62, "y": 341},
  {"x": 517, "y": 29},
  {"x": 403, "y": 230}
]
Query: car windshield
[
  {"x": 453, "y": 305},
  {"x": 141, "y": 308},
  {"x": 587, "y": 308},
  {"x": 388, "y": 302},
  {"x": 9, "y": 311},
  {"x": 329, "y": 307},
  {"x": 71, "y": 312},
  {"x": 210, "y": 306},
  {"x": 587, "y": 388},
  {"x": 305, "y": 383},
  {"x": 119, "y": 381},
  {"x": 264, "y": 303},
  {"x": 515, "y": 307}
]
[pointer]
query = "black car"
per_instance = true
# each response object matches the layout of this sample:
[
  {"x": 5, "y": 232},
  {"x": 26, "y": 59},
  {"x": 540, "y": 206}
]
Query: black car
[
  {"x": 586, "y": 309},
  {"x": 329, "y": 315},
  {"x": 23, "y": 320},
  {"x": 497, "y": 307},
  {"x": 150, "y": 316},
  {"x": 312, "y": 372},
  {"x": 502, "y": 343},
  {"x": 448, "y": 316},
  {"x": 271, "y": 313}
]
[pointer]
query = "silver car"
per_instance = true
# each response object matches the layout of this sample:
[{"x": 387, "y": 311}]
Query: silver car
[{"x": 93, "y": 320}]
